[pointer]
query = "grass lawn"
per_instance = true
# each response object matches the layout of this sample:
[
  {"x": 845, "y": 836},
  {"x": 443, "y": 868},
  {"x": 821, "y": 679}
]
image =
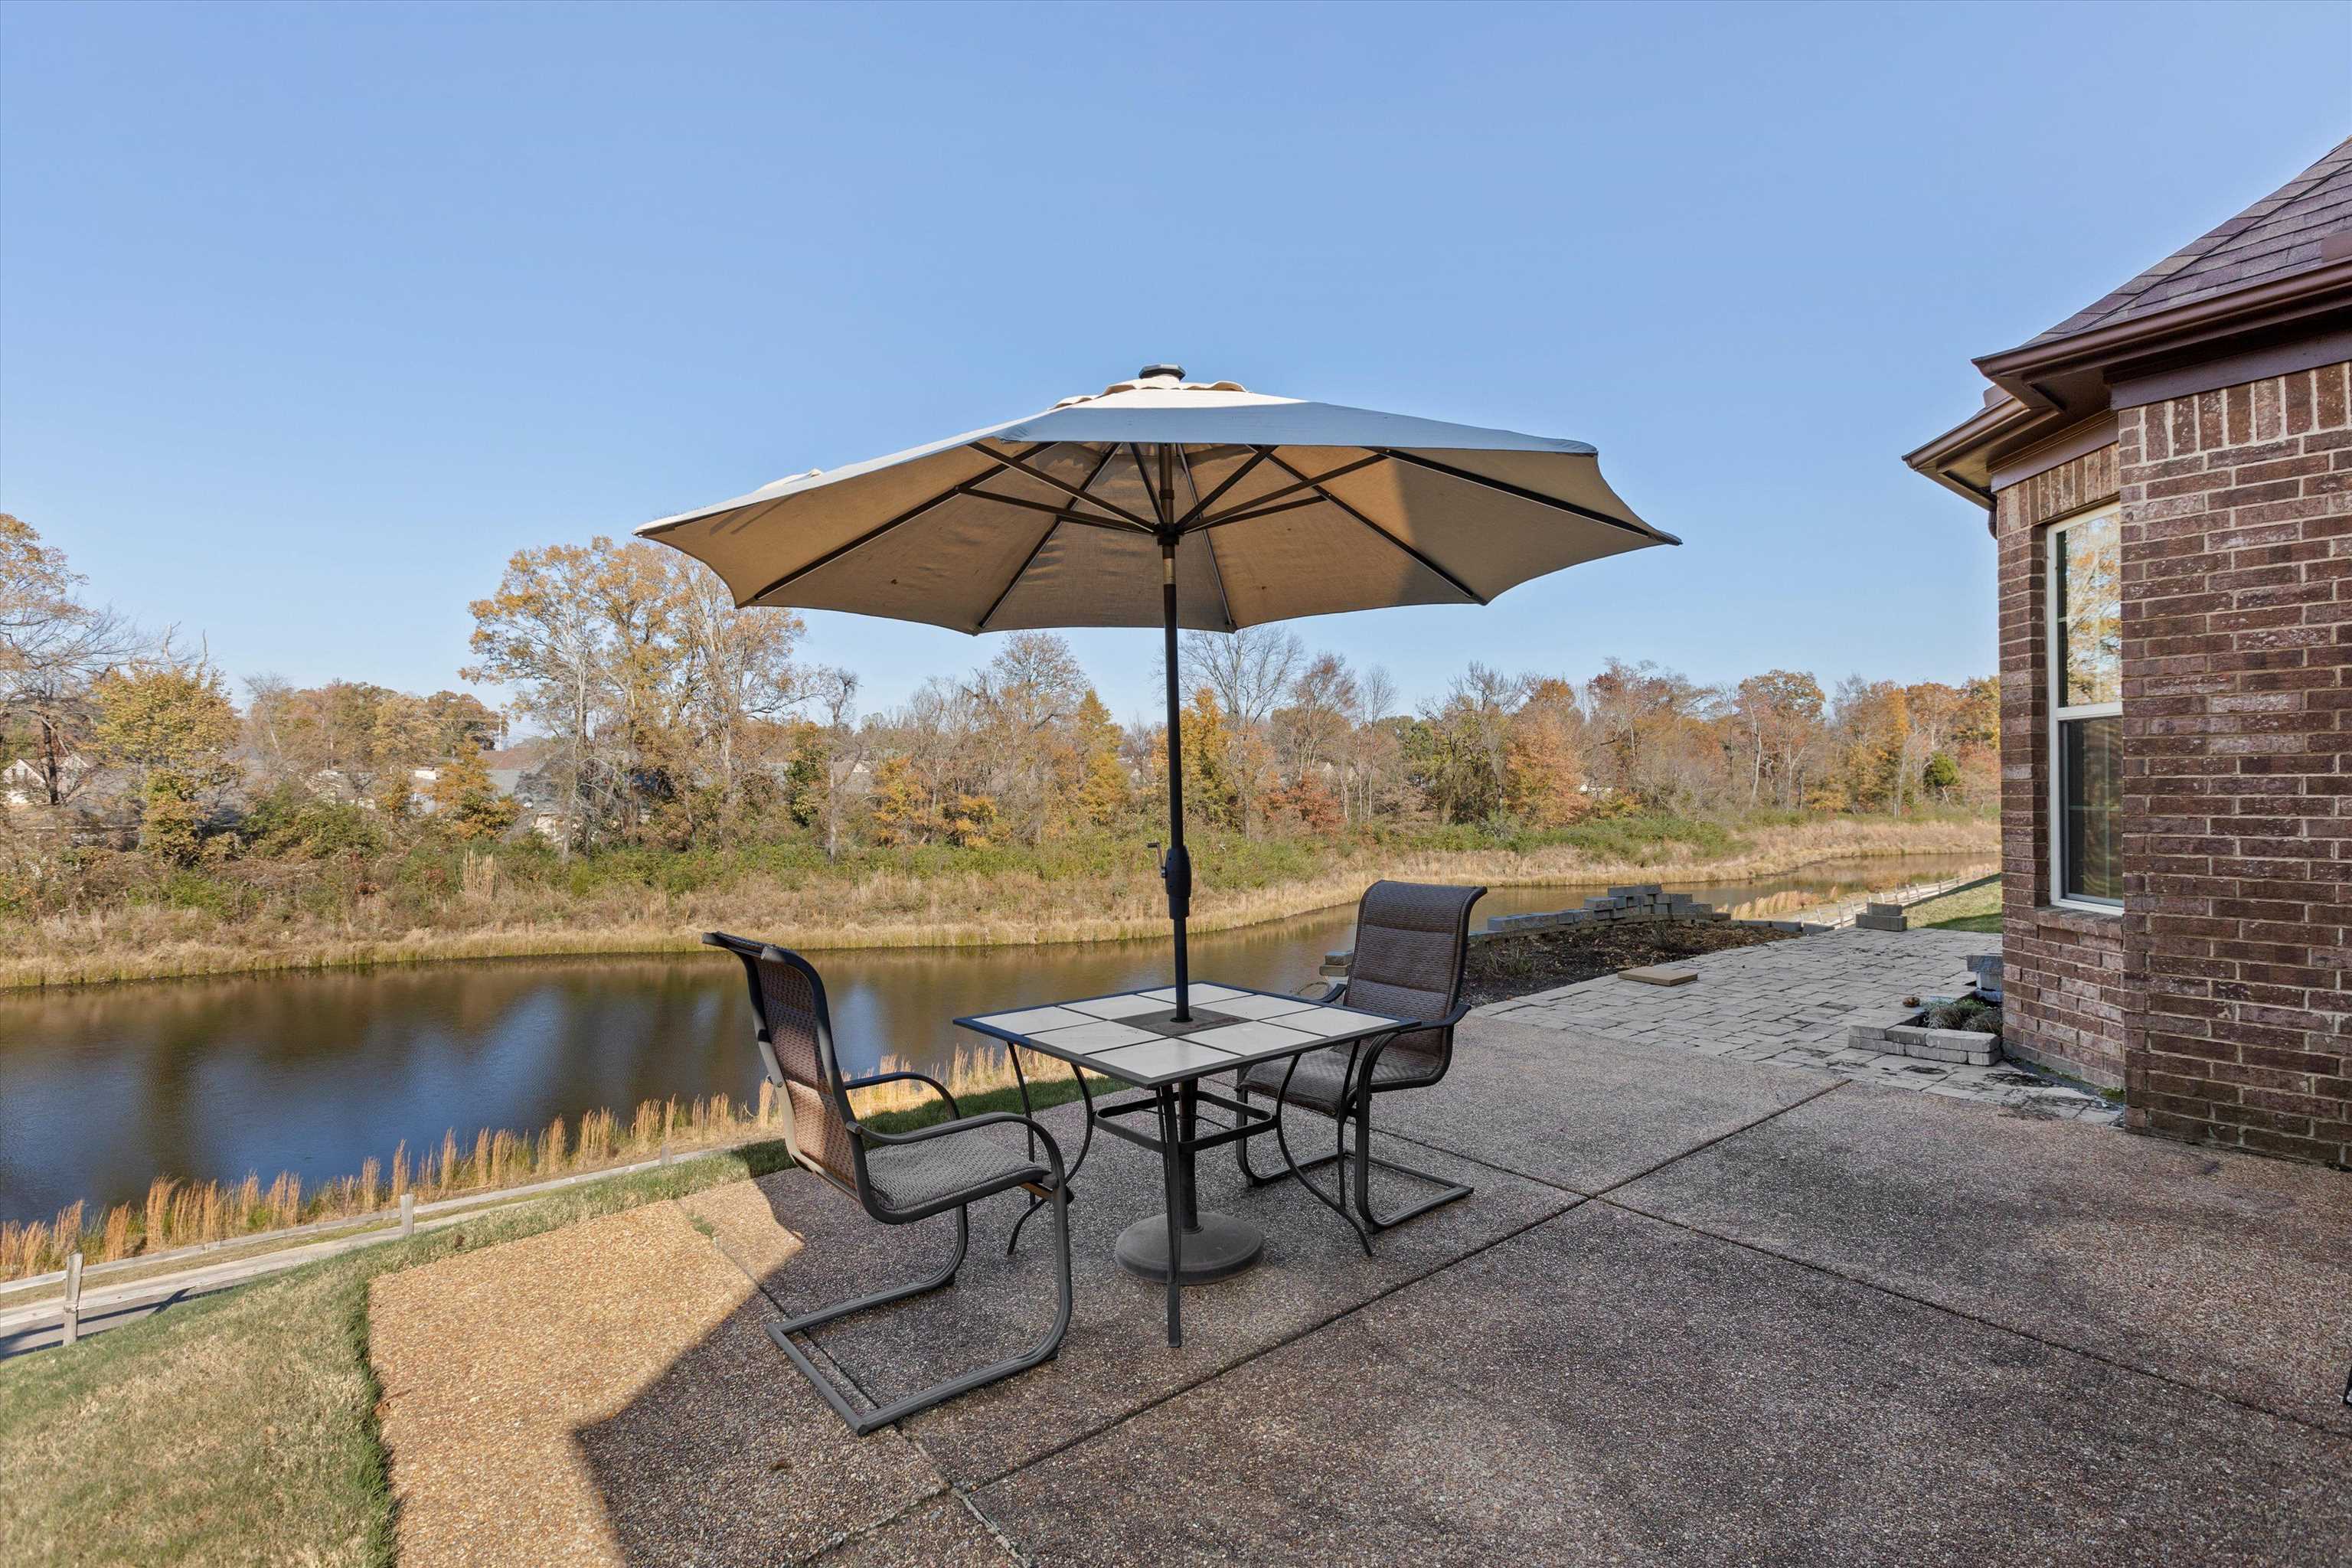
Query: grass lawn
[
  {"x": 1973, "y": 909},
  {"x": 241, "y": 1428}
]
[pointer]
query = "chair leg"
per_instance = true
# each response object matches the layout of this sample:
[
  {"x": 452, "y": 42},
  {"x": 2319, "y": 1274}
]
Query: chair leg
[
  {"x": 1241, "y": 1145},
  {"x": 863, "y": 1422},
  {"x": 1337, "y": 1205},
  {"x": 1365, "y": 1160}
]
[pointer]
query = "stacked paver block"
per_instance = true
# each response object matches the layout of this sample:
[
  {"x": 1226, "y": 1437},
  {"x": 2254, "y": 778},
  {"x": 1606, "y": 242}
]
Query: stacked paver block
[
  {"x": 1643, "y": 901},
  {"x": 1900, "y": 1033},
  {"x": 1882, "y": 916},
  {"x": 1986, "y": 967}
]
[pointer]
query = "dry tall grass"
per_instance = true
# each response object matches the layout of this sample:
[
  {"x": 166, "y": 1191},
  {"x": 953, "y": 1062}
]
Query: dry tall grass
[
  {"x": 885, "y": 907},
  {"x": 182, "y": 1213}
]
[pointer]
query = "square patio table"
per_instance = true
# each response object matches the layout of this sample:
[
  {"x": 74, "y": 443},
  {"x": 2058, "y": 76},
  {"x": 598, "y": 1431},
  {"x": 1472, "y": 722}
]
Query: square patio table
[{"x": 1135, "y": 1036}]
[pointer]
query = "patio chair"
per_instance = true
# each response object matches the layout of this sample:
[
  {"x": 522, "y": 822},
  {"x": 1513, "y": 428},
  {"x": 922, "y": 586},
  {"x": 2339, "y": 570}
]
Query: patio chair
[
  {"x": 896, "y": 1178},
  {"x": 1412, "y": 941}
]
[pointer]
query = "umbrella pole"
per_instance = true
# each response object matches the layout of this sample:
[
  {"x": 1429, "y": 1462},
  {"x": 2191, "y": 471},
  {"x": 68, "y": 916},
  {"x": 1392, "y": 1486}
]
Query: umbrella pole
[{"x": 1176, "y": 868}]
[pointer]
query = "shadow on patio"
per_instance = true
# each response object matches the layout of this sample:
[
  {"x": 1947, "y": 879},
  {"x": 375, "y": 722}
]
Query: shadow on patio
[{"x": 1698, "y": 1309}]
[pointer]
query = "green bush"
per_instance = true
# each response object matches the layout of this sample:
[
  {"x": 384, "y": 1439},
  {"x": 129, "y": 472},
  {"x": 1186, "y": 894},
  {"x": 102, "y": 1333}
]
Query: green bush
[{"x": 290, "y": 823}]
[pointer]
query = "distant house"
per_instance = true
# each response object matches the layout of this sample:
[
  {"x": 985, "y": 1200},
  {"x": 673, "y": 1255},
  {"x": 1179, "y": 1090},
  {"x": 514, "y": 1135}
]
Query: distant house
[
  {"x": 2169, "y": 476},
  {"x": 26, "y": 781},
  {"x": 22, "y": 783}
]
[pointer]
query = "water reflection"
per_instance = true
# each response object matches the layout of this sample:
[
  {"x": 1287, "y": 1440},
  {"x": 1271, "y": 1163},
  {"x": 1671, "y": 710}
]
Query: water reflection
[{"x": 103, "y": 1088}]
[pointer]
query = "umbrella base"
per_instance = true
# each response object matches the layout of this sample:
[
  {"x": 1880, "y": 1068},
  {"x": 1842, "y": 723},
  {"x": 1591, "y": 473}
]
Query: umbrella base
[{"x": 1221, "y": 1247}]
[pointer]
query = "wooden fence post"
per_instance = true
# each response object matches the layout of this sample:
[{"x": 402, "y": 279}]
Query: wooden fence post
[
  {"x": 69, "y": 1329},
  {"x": 408, "y": 1214}
]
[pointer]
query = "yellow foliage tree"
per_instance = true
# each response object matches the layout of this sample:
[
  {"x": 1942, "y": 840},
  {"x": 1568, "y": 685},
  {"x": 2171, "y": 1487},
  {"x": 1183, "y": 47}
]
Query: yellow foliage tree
[
  {"x": 466, "y": 804},
  {"x": 168, "y": 721}
]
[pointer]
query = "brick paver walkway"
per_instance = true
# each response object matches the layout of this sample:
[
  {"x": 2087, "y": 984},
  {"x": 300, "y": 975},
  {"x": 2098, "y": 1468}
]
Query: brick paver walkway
[{"x": 1789, "y": 1002}]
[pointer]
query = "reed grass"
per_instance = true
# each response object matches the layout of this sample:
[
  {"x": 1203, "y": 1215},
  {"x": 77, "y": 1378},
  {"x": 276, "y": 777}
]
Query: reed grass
[
  {"x": 176, "y": 1214},
  {"x": 926, "y": 900}
]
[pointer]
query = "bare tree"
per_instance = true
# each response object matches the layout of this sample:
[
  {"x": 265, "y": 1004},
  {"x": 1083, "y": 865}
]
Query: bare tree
[
  {"x": 1249, "y": 670},
  {"x": 53, "y": 649}
]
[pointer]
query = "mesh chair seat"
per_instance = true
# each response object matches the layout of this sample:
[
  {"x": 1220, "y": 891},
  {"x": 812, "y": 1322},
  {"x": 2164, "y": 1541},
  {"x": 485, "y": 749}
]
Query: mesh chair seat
[
  {"x": 1321, "y": 1080},
  {"x": 909, "y": 1175},
  {"x": 1412, "y": 941},
  {"x": 899, "y": 1181}
]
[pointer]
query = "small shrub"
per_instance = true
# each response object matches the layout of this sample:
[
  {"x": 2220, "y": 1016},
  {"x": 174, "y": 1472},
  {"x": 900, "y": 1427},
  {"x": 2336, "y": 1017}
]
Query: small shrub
[{"x": 1971, "y": 1013}]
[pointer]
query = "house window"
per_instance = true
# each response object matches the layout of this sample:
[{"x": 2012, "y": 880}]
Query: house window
[{"x": 2086, "y": 708}]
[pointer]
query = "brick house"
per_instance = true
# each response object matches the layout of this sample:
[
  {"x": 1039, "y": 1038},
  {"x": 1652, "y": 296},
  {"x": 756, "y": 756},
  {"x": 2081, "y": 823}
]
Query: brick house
[{"x": 2169, "y": 477}]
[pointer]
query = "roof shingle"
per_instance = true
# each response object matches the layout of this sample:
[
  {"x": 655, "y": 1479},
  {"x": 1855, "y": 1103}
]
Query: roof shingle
[{"x": 2280, "y": 234}]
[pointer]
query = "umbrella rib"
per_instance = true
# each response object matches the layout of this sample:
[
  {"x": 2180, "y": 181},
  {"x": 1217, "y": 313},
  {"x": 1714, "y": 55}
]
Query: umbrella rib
[
  {"x": 909, "y": 515},
  {"x": 1063, "y": 512},
  {"x": 1318, "y": 498},
  {"x": 1257, "y": 455},
  {"x": 1463, "y": 588},
  {"x": 1059, "y": 515},
  {"x": 1073, "y": 492},
  {"x": 1184, "y": 464},
  {"x": 1304, "y": 484},
  {"x": 1415, "y": 460},
  {"x": 1014, "y": 581},
  {"x": 1217, "y": 570},
  {"x": 1135, "y": 454}
]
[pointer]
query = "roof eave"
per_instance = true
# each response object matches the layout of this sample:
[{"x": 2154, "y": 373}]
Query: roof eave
[
  {"x": 1961, "y": 460},
  {"x": 2045, "y": 372},
  {"x": 2063, "y": 381}
]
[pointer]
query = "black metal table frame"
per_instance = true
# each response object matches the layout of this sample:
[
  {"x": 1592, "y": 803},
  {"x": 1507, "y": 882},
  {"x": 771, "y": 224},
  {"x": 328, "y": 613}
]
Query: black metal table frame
[{"x": 1175, "y": 1108}]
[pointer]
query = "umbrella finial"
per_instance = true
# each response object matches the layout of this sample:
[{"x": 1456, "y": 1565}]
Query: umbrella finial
[{"x": 1173, "y": 372}]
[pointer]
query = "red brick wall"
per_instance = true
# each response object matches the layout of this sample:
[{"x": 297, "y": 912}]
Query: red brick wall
[
  {"x": 2237, "y": 622},
  {"x": 2062, "y": 970}
]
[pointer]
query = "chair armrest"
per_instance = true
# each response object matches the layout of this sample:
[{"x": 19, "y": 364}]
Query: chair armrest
[
  {"x": 938, "y": 1088},
  {"x": 1380, "y": 1043},
  {"x": 1332, "y": 991},
  {"x": 970, "y": 1123}
]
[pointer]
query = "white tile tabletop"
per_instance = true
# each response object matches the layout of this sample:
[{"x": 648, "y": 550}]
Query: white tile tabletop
[
  {"x": 1100, "y": 1035},
  {"x": 1126, "y": 1006},
  {"x": 1269, "y": 1027},
  {"x": 1035, "y": 1020},
  {"x": 1243, "y": 1038},
  {"x": 1262, "y": 1006},
  {"x": 1326, "y": 1021},
  {"x": 1161, "y": 1057},
  {"x": 1202, "y": 994}
]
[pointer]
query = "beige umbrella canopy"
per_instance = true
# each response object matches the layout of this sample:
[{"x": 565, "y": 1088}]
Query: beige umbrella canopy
[{"x": 1166, "y": 503}]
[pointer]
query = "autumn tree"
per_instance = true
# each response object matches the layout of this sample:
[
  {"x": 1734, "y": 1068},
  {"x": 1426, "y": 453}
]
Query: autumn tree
[
  {"x": 1777, "y": 717},
  {"x": 654, "y": 686},
  {"x": 53, "y": 648},
  {"x": 167, "y": 721},
  {"x": 466, "y": 804},
  {"x": 1106, "y": 796},
  {"x": 1641, "y": 719},
  {"x": 1461, "y": 749},
  {"x": 1251, "y": 672},
  {"x": 1542, "y": 776}
]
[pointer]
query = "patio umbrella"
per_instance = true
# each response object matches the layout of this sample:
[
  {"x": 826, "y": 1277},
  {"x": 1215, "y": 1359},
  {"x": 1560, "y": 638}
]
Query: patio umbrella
[{"x": 1161, "y": 502}]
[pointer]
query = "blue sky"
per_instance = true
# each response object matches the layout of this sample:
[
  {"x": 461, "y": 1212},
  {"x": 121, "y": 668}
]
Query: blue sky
[{"x": 310, "y": 316}]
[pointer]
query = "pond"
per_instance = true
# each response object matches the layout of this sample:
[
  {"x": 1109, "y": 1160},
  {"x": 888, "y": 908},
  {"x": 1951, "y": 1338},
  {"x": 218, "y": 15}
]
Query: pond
[{"x": 103, "y": 1088}]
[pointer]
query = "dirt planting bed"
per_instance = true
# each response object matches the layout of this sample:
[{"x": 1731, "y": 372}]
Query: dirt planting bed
[{"x": 1540, "y": 961}]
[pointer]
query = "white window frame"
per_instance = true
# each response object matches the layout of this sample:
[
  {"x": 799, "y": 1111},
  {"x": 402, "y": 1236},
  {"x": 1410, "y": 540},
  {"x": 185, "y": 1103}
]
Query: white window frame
[{"x": 2054, "y": 685}]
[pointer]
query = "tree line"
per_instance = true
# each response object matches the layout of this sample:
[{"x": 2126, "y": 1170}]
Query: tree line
[{"x": 646, "y": 711}]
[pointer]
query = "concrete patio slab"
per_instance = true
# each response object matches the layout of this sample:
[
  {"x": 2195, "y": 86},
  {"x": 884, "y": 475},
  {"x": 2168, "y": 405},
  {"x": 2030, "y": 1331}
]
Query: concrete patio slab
[
  {"x": 1578, "y": 1110},
  {"x": 2221, "y": 1270},
  {"x": 1116, "y": 1359},
  {"x": 941, "y": 1533},
  {"x": 1608, "y": 1388},
  {"x": 605, "y": 1393}
]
